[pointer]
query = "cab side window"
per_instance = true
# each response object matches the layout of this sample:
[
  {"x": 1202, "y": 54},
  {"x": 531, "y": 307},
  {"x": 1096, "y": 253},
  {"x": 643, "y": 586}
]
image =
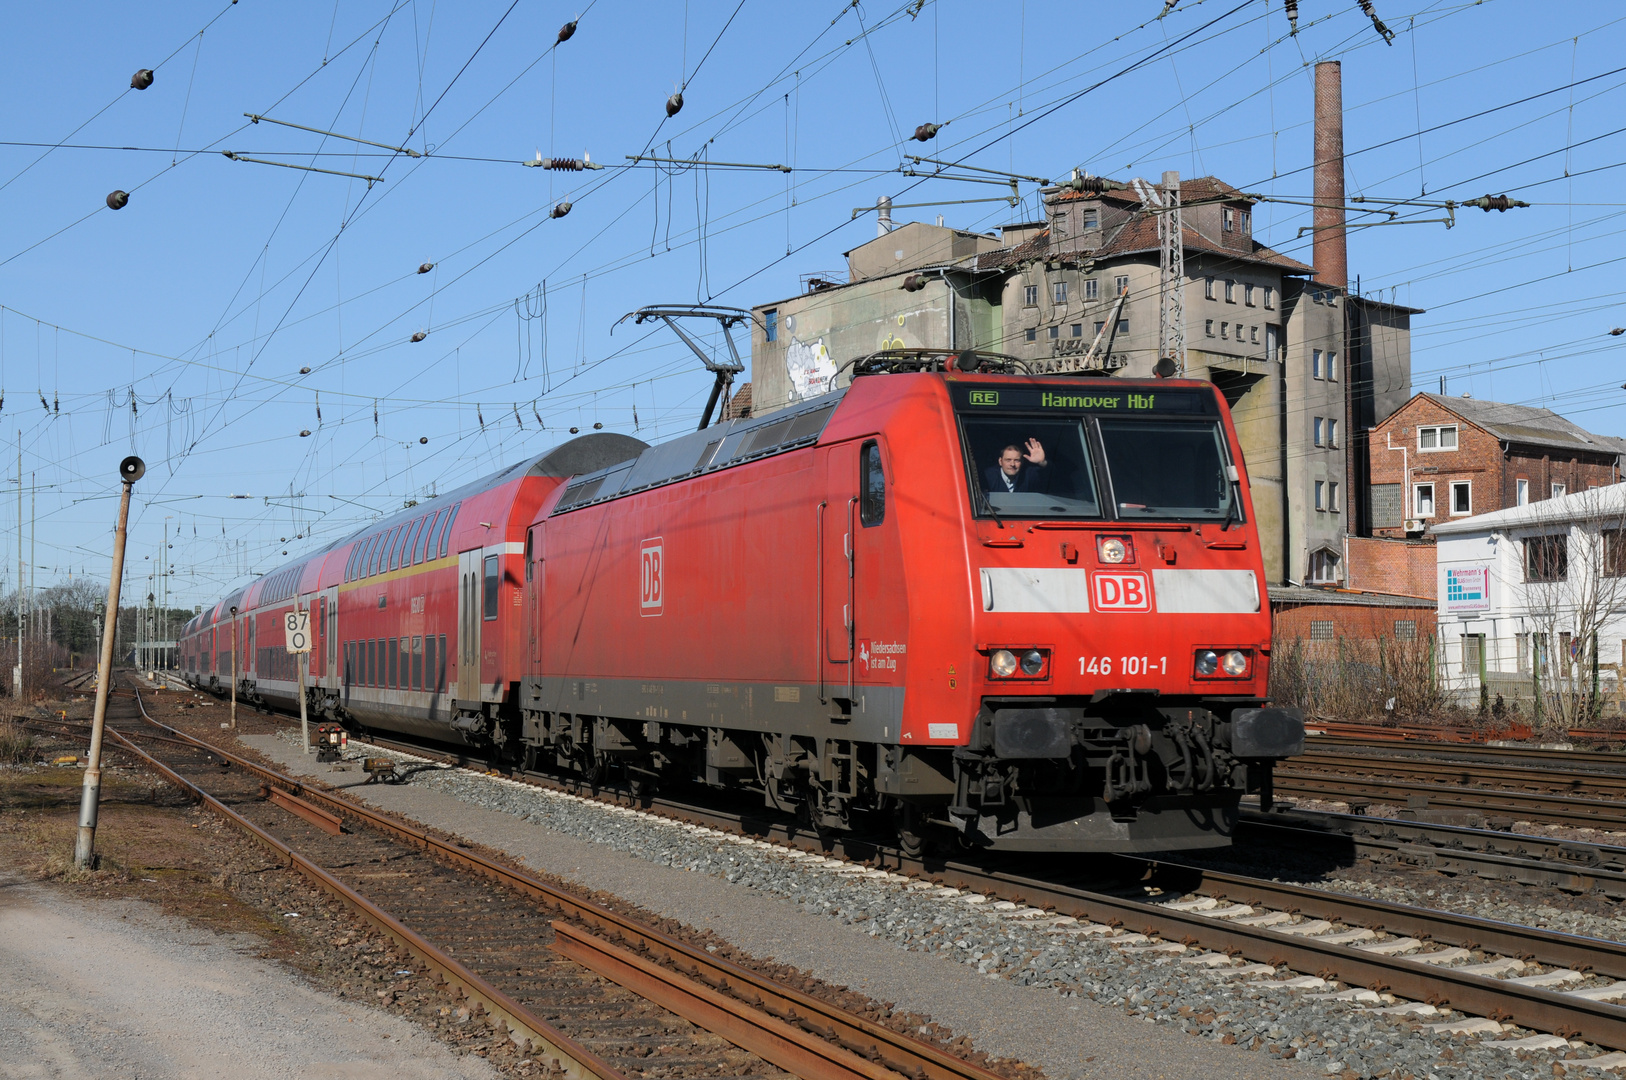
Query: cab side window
[{"x": 872, "y": 481}]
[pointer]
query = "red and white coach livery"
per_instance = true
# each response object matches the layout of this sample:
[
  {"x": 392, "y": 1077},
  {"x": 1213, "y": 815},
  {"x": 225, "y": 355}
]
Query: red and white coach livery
[{"x": 1027, "y": 611}]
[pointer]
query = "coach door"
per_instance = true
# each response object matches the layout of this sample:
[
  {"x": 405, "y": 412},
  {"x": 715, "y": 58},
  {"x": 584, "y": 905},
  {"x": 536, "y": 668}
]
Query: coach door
[
  {"x": 468, "y": 628},
  {"x": 837, "y": 512},
  {"x": 328, "y": 624},
  {"x": 533, "y": 593}
]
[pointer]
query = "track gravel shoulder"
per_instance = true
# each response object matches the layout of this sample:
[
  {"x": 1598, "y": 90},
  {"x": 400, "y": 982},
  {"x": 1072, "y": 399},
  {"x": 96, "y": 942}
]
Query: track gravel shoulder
[
  {"x": 116, "y": 988},
  {"x": 1066, "y": 1037}
]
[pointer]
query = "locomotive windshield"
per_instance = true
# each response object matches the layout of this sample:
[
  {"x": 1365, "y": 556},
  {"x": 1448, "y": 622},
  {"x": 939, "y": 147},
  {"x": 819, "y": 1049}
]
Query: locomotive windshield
[
  {"x": 1168, "y": 468},
  {"x": 1035, "y": 452}
]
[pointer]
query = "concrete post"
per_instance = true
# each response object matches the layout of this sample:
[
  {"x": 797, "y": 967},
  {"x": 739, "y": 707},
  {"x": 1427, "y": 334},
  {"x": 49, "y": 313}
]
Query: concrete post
[
  {"x": 233, "y": 667},
  {"x": 131, "y": 469}
]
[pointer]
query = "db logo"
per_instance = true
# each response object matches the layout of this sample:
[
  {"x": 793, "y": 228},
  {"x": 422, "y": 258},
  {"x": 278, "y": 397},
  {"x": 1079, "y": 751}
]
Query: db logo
[
  {"x": 1122, "y": 590},
  {"x": 652, "y": 577}
]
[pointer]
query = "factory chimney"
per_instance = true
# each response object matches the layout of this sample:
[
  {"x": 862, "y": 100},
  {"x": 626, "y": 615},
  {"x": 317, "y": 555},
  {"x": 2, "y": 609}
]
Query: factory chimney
[{"x": 1331, "y": 252}]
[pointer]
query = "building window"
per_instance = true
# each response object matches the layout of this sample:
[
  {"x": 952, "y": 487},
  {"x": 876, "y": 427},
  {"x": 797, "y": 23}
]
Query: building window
[
  {"x": 1315, "y": 363},
  {"x": 1058, "y": 292},
  {"x": 1320, "y": 495},
  {"x": 1332, "y": 366},
  {"x": 1270, "y": 298},
  {"x": 1208, "y": 288},
  {"x": 1247, "y": 295},
  {"x": 1230, "y": 292},
  {"x": 1208, "y": 327},
  {"x": 1092, "y": 219},
  {"x": 1247, "y": 221},
  {"x": 1323, "y": 566},
  {"x": 770, "y": 324},
  {"x": 1332, "y": 496},
  {"x": 1078, "y": 329},
  {"x": 1100, "y": 325},
  {"x": 1422, "y": 500},
  {"x": 1431, "y": 439},
  {"x": 1319, "y": 427},
  {"x": 1405, "y": 629},
  {"x": 1332, "y": 432},
  {"x": 1053, "y": 332},
  {"x": 1123, "y": 326},
  {"x": 1253, "y": 334},
  {"x": 1559, "y": 490},
  {"x": 1614, "y": 553},
  {"x": 1521, "y": 492},
  {"x": 1473, "y": 653},
  {"x": 1228, "y": 218},
  {"x": 1547, "y": 558},
  {"x": 1225, "y": 331},
  {"x": 1030, "y": 296},
  {"x": 1461, "y": 498},
  {"x": 1092, "y": 289},
  {"x": 1320, "y": 629},
  {"x": 1120, "y": 284},
  {"x": 1032, "y": 333}
]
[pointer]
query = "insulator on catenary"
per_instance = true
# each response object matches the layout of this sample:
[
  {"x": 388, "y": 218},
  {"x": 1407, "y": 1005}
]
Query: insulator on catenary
[
  {"x": 425, "y": 268},
  {"x": 597, "y": 426},
  {"x": 1616, "y": 332},
  {"x": 913, "y": 283},
  {"x": 674, "y": 104},
  {"x": 1291, "y": 8},
  {"x": 141, "y": 79},
  {"x": 560, "y": 210},
  {"x": 926, "y": 132},
  {"x": 305, "y": 434},
  {"x": 1387, "y": 34},
  {"x": 1089, "y": 185},
  {"x": 420, "y": 335},
  {"x": 562, "y": 164},
  {"x": 1499, "y": 203},
  {"x": 566, "y": 32},
  {"x": 423, "y": 440},
  {"x": 575, "y": 431},
  {"x": 118, "y": 200},
  {"x": 304, "y": 371}
]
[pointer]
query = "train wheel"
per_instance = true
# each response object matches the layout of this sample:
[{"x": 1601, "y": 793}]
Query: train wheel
[{"x": 911, "y": 825}]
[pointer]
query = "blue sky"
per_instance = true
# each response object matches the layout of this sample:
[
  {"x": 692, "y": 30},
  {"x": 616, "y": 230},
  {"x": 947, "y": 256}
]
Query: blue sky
[{"x": 207, "y": 294}]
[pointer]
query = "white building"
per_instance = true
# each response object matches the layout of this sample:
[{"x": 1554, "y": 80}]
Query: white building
[{"x": 1534, "y": 596}]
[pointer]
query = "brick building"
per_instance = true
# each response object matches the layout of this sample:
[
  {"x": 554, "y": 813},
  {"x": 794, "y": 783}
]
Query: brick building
[
  {"x": 1402, "y": 567},
  {"x": 1331, "y": 615},
  {"x": 1441, "y": 458}
]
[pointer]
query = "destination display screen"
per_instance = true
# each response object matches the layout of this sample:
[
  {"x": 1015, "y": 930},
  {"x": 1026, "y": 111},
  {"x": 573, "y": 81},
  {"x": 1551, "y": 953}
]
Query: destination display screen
[{"x": 1082, "y": 399}]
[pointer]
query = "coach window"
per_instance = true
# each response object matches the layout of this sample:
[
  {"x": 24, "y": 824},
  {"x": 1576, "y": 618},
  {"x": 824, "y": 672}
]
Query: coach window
[
  {"x": 394, "y": 661},
  {"x": 872, "y": 499},
  {"x": 528, "y": 538},
  {"x": 423, "y": 541},
  {"x": 490, "y": 605},
  {"x": 411, "y": 544},
  {"x": 397, "y": 543},
  {"x": 417, "y": 662},
  {"x": 406, "y": 664},
  {"x": 446, "y": 531}
]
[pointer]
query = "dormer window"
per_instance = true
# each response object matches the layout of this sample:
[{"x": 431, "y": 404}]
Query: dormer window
[
  {"x": 1247, "y": 222},
  {"x": 1228, "y": 218},
  {"x": 1092, "y": 219}
]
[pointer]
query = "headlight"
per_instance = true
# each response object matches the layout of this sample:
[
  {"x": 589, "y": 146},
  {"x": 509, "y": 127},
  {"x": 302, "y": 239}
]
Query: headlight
[
  {"x": 1032, "y": 662},
  {"x": 1002, "y": 664},
  {"x": 1235, "y": 662},
  {"x": 1207, "y": 662},
  {"x": 1110, "y": 549}
]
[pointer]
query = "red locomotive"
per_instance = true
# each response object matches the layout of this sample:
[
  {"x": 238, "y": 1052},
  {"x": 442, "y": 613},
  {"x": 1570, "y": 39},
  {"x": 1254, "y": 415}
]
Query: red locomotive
[{"x": 1027, "y": 610}]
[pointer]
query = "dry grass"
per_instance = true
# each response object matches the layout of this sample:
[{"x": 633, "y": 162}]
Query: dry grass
[{"x": 16, "y": 745}]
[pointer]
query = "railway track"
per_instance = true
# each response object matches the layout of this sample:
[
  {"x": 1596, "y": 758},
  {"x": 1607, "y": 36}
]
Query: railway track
[
  {"x": 1566, "y": 984},
  {"x": 600, "y": 994},
  {"x": 1594, "y": 813},
  {"x": 1494, "y": 855}
]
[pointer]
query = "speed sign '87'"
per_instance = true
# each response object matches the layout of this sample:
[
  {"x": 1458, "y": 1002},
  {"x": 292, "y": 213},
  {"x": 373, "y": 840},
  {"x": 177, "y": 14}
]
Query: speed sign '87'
[{"x": 297, "y": 627}]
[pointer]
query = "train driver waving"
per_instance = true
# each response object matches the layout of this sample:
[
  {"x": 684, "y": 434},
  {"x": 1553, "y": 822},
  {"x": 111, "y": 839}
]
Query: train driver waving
[{"x": 1018, "y": 470}]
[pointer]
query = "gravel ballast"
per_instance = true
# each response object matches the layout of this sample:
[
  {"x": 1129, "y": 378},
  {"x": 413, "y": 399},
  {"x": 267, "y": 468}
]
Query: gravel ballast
[{"x": 1075, "y": 1001}]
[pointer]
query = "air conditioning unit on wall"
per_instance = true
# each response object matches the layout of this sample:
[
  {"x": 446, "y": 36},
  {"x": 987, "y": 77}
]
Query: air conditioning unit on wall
[{"x": 1414, "y": 525}]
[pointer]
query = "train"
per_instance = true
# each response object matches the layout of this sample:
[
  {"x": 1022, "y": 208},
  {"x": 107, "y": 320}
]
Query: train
[{"x": 951, "y": 601}]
